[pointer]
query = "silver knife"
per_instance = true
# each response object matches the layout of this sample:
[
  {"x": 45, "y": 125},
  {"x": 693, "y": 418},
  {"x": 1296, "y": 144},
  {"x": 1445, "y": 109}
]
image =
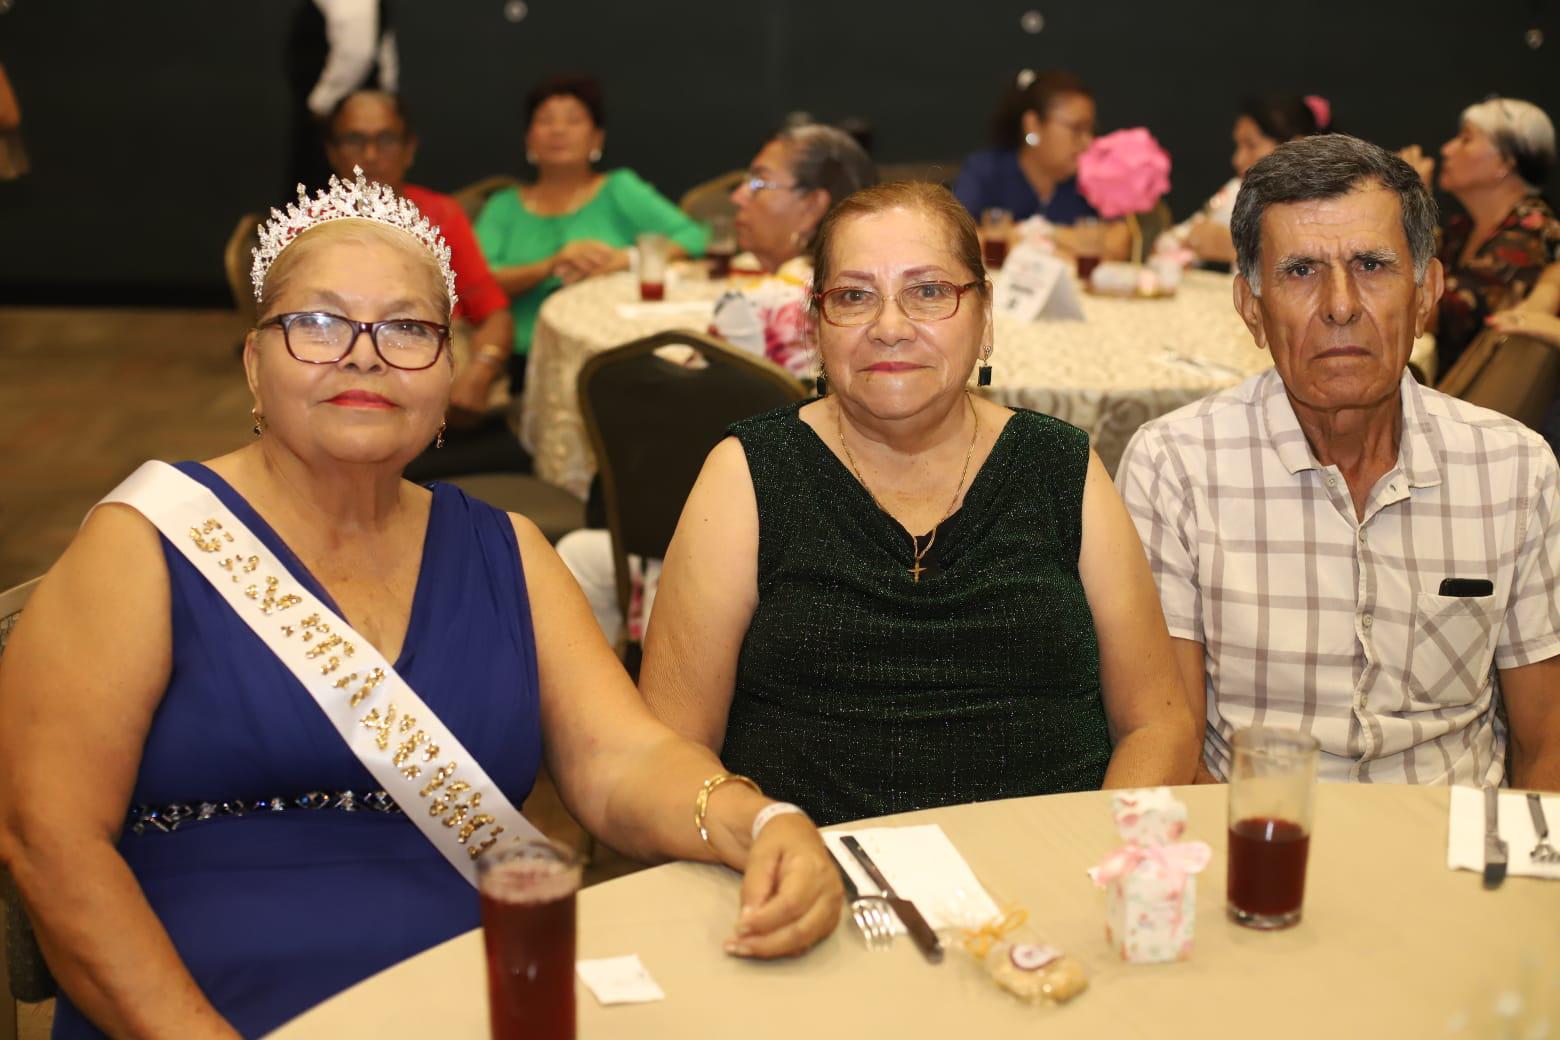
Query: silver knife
[
  {"x": 1494, "y": 848},
  {"x": 925, "y": 939}
]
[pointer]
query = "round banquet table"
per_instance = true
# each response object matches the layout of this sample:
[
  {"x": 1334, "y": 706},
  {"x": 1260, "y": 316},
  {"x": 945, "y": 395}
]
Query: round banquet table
[
  {"x": 1128, "y": 361},
  {"x": 1392, "y": 944}
]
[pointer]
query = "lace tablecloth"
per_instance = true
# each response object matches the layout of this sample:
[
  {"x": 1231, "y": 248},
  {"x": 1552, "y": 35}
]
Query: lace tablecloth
[{"x": 1128, "y": 361}]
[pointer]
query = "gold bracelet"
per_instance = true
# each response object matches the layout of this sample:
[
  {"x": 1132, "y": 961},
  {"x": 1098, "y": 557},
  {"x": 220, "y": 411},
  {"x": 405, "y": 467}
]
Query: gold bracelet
[{"x": 701, "y": 804}]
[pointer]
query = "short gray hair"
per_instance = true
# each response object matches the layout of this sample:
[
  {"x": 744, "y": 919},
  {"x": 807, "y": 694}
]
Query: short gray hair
[
  {"x": 1522, "y": 132},
  {"x": 827, "y": 157},
  {"x": 1328, "y": 166}
]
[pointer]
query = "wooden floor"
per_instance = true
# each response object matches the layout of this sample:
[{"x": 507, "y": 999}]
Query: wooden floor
[{"x": 86, "y": 396}]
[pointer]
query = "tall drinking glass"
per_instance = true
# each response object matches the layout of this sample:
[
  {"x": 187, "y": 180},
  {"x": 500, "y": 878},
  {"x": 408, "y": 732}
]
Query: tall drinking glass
[
  {"x": 721, "y": 246},
  {"x": 653, "y": 248},
  {"x": 1272, "y": 794},
  {"x": 1089, "y": 239},
  {"x": 527, "y": 894},
  {"x": 996, "y": 231}
]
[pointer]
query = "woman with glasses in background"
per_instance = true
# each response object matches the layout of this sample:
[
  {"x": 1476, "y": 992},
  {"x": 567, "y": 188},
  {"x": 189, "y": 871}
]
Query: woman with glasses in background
[
  {"x": 369, "y": 130},
  {"x": 572, "y": 221},
  {"x": 791, "y": 183},
  {"x": 903, "y": 595},
  {"x": 208, "y": 843},
  {"x": 1495, "y": 251}
]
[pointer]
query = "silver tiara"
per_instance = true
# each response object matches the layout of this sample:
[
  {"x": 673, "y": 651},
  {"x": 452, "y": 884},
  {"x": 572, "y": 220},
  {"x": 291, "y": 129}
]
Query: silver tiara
[{"x": 364, "y": 199}]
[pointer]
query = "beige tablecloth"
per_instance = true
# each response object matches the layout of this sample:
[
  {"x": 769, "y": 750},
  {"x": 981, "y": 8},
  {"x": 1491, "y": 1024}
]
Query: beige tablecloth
[
  {"x": 1127, "y": 362},
  {"x": 1392, "y": 945}
]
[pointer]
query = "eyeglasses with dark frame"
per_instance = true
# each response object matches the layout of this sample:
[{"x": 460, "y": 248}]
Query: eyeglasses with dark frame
[
  {"x": 852, "y": 305},
  {"x": 322, "y": 338},
  {"x": 357, "y": 144}
]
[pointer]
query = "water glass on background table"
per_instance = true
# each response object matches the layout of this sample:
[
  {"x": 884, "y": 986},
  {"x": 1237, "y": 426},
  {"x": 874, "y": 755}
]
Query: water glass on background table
[
  {"x": 1271, "y": 798},
  {"x": 653, "y": 248},
  {"x": 996, "y": 229},
  {"x": 527, "y": 894}
]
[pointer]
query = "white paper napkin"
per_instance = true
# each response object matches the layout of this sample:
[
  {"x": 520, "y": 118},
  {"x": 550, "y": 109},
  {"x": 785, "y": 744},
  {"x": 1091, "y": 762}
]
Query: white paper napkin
[
  {"x": 691, "y": 309},
  {"x": 619, "y": 980},
  {"x": 925, "y": 868},
  {"x": 1465, "y": 832}
]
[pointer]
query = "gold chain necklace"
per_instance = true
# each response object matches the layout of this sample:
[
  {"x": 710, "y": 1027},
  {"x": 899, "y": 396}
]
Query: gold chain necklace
[{"x": 920, "y": 551}]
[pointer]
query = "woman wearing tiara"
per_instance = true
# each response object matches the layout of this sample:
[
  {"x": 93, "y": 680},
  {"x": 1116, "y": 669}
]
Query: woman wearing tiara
[{"x": 156, "y": 688}]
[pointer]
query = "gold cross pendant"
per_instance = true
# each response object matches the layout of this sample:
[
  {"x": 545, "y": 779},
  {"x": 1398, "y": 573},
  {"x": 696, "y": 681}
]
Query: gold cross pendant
[{"x": 916, "y": 571}]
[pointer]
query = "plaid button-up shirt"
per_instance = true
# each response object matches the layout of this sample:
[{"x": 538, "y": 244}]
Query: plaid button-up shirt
[{"x": 1314, "y": 620}]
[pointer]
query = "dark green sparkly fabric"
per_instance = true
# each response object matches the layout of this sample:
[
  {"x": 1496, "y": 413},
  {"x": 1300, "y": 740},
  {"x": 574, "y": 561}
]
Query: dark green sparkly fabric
[{"x": 860, "y": 692}]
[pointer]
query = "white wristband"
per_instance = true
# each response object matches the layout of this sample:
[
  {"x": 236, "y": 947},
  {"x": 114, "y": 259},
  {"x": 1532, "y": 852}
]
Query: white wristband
[{"x": 769, "y": 812}]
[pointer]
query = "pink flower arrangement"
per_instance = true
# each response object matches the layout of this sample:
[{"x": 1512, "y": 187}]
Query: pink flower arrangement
[{"x": 1124, "y": 172}]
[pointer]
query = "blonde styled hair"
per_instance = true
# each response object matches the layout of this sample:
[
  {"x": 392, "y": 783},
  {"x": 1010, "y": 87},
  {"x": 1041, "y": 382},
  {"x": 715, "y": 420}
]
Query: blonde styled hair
[{"x": 349, "y": 229}]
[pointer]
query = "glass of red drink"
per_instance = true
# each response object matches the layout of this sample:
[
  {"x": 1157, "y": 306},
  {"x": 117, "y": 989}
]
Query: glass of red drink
[
  {"x": 721, "y": 246},
  {"x": 1271, "y": 797},
  {"x": 653, "y": 249},
  {"x": 527, "y": 894},
  {"x": 1088, "y": 246},
  {"x": 996, "y": 229}
]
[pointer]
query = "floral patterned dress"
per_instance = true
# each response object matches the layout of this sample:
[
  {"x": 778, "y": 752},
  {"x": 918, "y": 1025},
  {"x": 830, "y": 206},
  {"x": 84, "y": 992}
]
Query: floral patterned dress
[{"x": 1499, "y": 275}]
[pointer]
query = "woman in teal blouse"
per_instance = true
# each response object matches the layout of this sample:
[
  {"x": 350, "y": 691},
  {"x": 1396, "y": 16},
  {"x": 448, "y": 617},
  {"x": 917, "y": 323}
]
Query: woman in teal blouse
[{"x": 572, "y": 221}]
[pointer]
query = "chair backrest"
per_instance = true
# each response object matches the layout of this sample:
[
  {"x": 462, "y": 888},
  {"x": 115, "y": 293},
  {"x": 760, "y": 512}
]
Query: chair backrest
[
  {"x": 1517, "y": 376},
  {"x": 236, "y": 262},
  {"x": 712, "y": 198},
  {"x": 25, "y": 968},
  {"x": 473, "y": 197},
  {"x": 651, "y": 423}
]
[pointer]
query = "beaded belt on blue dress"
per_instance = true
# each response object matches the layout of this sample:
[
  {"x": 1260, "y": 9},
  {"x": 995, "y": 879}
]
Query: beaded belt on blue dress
[{"x": 168, "y": 818}]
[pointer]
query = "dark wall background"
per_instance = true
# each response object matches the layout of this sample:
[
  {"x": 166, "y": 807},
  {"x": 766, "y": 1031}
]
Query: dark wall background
[{"x": 153, "y": 125}]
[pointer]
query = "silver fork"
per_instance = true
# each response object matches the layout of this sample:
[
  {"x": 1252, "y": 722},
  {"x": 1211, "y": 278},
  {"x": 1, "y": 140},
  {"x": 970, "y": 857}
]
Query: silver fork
[
  {"x": 1543, "y": 852},
  {"x": 873, "y": 917}
]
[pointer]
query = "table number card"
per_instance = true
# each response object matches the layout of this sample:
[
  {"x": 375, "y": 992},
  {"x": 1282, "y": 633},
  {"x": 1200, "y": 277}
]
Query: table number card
[{"x": 1034, "y": 284}]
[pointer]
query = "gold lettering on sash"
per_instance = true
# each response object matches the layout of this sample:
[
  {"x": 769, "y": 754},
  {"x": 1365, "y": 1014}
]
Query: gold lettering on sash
[
  {"x": 380, "y": 725},
  {"x": 407, "y": 722},
  {"x": 344, "y": 681},
  {"x": 492, "y": 840},
  {"x": 441, "y": 803},
  {"x": 440, "y": 775},
  {"x": 324, "y": 647},
  {"x": 404, "y": 751},
  {"x": 431, "y": 752},
  {"x": 462, "y": 809},
  {"x": 411, "y": 772},
  {"x": 375, "y": 677},
  {"x": 205, "y": 538},
  {"x": 471, "y": 827}
]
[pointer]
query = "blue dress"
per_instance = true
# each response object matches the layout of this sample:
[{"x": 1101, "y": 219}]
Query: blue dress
[
  {"x": 273, "y": 913},
  {"x": 993, "y": 178}
]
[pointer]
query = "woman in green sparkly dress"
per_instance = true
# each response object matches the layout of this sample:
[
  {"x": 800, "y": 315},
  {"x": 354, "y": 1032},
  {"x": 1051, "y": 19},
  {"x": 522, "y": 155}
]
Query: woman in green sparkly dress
[{"x": 903, "y": 595}]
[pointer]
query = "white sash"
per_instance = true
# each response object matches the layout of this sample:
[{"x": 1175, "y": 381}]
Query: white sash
[{"x": 415, "y": 758}]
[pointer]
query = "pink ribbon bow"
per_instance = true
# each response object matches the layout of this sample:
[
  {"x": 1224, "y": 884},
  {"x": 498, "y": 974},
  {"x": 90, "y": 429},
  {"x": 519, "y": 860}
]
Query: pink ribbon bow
[{"x": 1175, "y": 861}]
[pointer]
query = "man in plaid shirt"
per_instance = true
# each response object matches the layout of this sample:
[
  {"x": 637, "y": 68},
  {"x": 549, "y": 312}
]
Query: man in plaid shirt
[{"x": 1338, "y": 549}]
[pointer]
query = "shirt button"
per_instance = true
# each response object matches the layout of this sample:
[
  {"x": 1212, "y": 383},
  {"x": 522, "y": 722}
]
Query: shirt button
[
  {"x": 1365, "y": 621},
  {"x": 1332, "y": 481}
]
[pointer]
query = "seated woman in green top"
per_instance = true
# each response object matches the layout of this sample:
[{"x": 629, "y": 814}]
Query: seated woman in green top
[
  {"x": 904, "y": 595},
  {"x": 571, "y": 222}
]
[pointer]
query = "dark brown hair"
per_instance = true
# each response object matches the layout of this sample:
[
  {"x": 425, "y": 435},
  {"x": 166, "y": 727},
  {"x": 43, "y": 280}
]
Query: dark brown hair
[
  {"x": 1031, "y": 93},
  {"x": 934, "y": 200}
]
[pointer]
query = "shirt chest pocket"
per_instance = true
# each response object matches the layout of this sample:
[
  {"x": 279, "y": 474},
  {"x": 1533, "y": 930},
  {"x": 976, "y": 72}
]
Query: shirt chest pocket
[{"x": 1451, "y": 647}]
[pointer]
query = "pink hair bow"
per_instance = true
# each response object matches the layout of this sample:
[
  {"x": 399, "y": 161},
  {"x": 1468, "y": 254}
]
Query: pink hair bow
[{"x": 1320, "y": 108}]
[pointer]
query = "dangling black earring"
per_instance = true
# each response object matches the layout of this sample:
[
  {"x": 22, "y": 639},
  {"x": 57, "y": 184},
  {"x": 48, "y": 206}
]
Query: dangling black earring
[
  {"x": 823, "y": 385},
  {"x": 983, "y": 375}
]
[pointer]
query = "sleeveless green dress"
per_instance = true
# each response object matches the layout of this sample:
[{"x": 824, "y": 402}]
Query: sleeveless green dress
[{"x": 860, "y": 692}]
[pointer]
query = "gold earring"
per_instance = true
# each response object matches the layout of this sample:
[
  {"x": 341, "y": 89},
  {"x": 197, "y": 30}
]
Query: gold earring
[
  {"x": 259, "y": 418},
  {"x": 438, "y": 440}
]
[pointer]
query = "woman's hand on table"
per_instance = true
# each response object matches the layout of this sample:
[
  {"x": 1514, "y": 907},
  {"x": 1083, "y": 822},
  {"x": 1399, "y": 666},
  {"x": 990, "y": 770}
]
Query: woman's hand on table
[
  {"x": 586, "y": 258},
  {"x": 1521, "y": 322},
  {"x": 791, "y": 891}
]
